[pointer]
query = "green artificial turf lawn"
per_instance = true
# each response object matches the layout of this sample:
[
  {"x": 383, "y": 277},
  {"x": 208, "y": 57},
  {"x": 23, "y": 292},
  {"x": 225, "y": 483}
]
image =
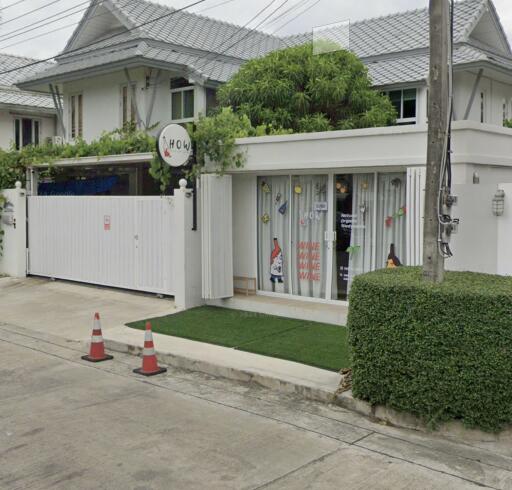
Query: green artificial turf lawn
[{"x": 316, "y": 344}]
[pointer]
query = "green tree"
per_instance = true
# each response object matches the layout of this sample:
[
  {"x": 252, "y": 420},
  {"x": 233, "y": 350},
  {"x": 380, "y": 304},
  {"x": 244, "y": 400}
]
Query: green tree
[{"x": 296, "y": 90}]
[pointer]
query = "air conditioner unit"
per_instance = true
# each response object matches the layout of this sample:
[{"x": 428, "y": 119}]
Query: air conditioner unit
[{"x": 57, "y": 140}]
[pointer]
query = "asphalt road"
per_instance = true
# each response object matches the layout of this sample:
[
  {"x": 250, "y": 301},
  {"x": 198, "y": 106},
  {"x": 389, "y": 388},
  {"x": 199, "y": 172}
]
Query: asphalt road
[{"x": 67, "y": 424}]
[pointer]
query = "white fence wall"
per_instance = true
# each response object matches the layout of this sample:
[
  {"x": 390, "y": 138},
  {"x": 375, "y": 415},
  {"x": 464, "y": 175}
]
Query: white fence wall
[
  {"x": 124, "y": 242},
  {"x": 14, "y": 225}
]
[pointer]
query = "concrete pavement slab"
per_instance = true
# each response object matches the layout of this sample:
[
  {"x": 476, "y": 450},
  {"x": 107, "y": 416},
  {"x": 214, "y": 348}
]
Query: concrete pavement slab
[
  {"x": 381, "y": 473},
  {"x": 104, "y": 427},
  {"x": 67, "y": 309}
]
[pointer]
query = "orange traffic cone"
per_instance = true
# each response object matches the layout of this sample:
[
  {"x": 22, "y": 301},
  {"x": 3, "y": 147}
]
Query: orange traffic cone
[
  {"x": 149, "y": 363},
  {"x": 97, "y": 352}
]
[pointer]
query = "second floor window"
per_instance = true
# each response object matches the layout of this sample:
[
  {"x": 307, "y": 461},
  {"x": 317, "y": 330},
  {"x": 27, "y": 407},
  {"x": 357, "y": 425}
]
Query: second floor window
[
  {"x": 482, "y": 107},
  {"x": 404, "y": 101},
  {"x": 76, "y": 116},
  {"x": 26, "y": 132},
  {"x": 182, "y": 99}
]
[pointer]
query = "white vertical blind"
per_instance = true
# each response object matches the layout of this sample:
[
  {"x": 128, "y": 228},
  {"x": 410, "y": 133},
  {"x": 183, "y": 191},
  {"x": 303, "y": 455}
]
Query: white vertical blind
[
  {"x": 217, "y": 236},
  {"x": 416, "y": 179}
]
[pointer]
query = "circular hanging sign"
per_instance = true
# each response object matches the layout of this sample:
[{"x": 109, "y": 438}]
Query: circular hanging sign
[{"x": 174, "y": 145}]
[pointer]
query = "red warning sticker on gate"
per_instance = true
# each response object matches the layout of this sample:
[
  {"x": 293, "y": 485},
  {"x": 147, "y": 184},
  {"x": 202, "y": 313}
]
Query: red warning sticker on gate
[{"x": 106, "y": 223}]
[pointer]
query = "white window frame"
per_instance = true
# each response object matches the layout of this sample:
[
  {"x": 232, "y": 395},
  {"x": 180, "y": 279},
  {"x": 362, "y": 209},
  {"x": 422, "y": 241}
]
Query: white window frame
[
  {"x": 34, "y": 121},
  {"x": 74, "y": 123},
  {"x": 131, "y": 109},
  {"x": 192, "y": 89},
  {"x": 400, "y": 119}
]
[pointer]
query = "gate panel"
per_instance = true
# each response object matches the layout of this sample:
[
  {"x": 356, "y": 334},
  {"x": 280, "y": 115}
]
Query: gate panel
[
  {"x": 154, "y": 243},
  {"x": 112, "y": 241}
]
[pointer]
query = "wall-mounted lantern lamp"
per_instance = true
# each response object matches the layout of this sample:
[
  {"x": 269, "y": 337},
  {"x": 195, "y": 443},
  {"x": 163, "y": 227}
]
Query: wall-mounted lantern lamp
[{"x": 498, "y": 203}]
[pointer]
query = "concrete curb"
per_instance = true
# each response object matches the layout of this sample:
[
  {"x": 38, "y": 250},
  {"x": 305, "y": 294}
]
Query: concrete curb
[
  {"x": 404, "y": 420},
  {"x": 308, "y": 392}
]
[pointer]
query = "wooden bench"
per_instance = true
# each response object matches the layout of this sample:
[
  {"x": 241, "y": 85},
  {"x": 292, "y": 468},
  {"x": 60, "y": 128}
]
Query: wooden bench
[{"x": 248, "y": 281}]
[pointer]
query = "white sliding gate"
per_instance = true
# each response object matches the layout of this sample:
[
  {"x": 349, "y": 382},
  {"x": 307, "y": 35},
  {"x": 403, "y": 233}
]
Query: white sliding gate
[{"x": 124, "y": 242}]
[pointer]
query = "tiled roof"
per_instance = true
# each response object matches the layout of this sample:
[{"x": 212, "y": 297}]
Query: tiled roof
[
  {"x": 197, "y": 31},
  {"x": 408, "y": 30},
  {"x": 392, "y": 33},
  {"x": 394, "y": 47},
  {"x": 14, "y": 96},
  {"x": 8, "y": 62},
  {"x": 11, "y": 95},
  {"x": 414, "y": 68}
]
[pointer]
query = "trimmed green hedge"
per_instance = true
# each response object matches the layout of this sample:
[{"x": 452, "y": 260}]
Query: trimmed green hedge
[{"x": 442, "y": 352}]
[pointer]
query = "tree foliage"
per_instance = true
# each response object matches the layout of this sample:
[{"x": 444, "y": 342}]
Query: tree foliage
[
  {"x": 296, "y": 90},
  {"x": 215, "y": 139}
]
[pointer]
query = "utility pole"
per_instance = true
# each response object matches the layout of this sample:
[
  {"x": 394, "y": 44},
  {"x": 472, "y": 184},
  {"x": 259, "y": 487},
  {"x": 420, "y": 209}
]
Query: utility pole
[{"x": 438, "y": 107}]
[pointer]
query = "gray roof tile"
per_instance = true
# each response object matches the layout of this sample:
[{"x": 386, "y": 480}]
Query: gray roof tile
[
  {"x": 394, "y": 47},
  {"x": 9, "y": 62},
  {"x": 13, "y": 96}
]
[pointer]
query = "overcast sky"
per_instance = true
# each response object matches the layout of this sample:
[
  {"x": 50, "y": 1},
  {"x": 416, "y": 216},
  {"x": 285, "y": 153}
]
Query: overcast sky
[{"x": 16, "y": 19}]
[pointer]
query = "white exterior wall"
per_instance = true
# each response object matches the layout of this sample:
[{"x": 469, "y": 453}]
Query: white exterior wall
[
  {"x": 48, "y": 126},
  {"x": 495, "y": 94},
  {"x": 102, "y": 110},
  {"x": 13, "y": 260},
  {"x": 474, "y": 246}
]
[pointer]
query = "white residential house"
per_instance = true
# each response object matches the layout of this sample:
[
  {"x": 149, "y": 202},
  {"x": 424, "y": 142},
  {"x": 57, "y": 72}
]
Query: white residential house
[
  {"x": 26, "y": 117},
  {"x": 307, "y": 212}
]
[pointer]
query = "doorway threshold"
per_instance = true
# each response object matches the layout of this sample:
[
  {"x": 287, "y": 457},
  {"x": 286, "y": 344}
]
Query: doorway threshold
[{"x": 335, "y": 314}]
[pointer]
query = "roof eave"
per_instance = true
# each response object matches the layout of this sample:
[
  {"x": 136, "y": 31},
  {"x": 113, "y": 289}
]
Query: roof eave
[
  {"x": 28, "y": 109},
  {"x": 484, "y": 64},
  {"x": 103, "y": 69}
]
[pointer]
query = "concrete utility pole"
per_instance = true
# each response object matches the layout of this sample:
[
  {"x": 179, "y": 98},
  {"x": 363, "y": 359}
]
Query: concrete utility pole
[{"x": 438, "y": 106}]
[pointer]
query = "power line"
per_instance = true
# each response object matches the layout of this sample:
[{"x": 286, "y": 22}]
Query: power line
[
  {"x": 215, "y": 6},
  {"x": 252, "y": 31},
  {"x": 67, "y": 26},
  {"x": 288, "y": 10},
  {"x": 12, "y": 5},
  {"x": 6, "y": 36},
  {"x": 62, "y": 28},
  {"x": 30, "y": 12},
  {"x": 280, "y": 16},
  {"x": 297, "y": 16},
  {"x": 38, "y": 62}
]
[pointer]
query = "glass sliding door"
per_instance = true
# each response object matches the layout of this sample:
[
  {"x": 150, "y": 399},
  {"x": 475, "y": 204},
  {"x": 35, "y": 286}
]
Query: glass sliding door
[
  {"x": 390, "y": 245},
  {"x": 354, "y": 229},
  {"x": 274, "y": 234},
  {"x": 316, "y": 233},
  {"x": 309, "y": 225}
]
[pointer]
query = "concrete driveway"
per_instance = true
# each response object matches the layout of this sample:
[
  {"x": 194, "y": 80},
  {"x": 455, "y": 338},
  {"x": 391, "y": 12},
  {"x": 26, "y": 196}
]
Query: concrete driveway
[
  {"x": 67, "y": 424},
  {"x": 67, "y": 309}
]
